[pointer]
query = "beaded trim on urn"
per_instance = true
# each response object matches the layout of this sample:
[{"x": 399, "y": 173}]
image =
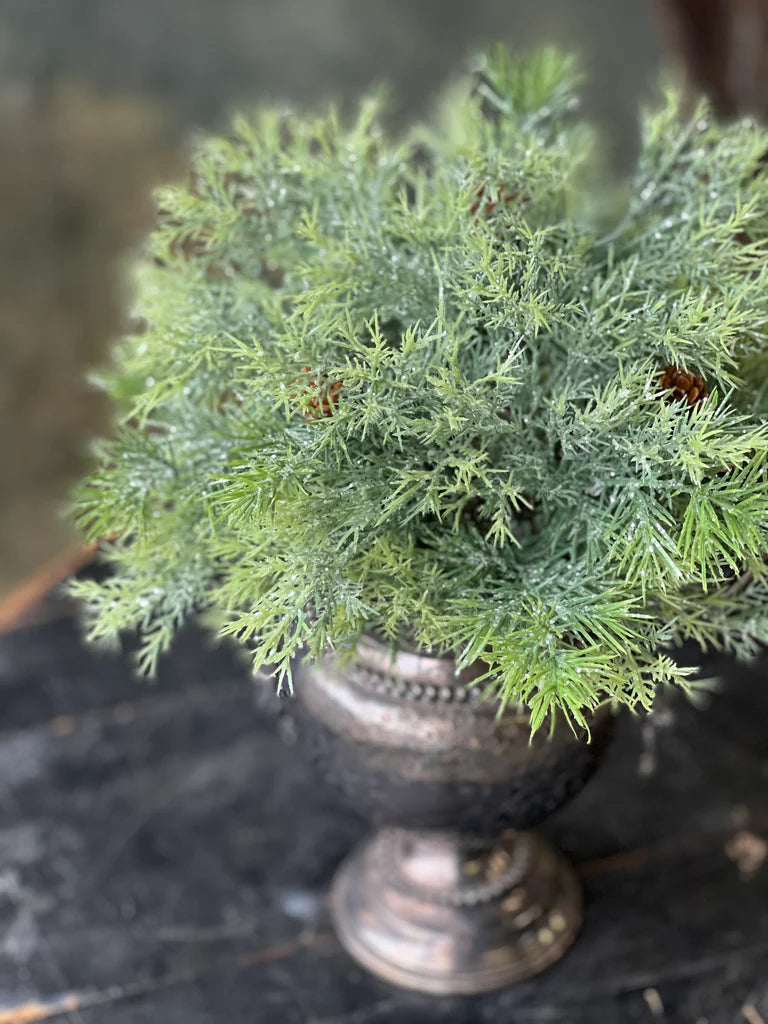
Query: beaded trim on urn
[
  {"x": 501, "y": 874},
  {"x": 405, "y": 689}
]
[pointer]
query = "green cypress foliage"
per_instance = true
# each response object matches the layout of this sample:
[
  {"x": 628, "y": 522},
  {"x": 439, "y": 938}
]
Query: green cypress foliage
[{"x": 415, "y": 386}]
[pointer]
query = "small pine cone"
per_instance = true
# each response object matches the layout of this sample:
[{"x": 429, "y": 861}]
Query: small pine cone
[
  {"x": 682, "y": 386},
  {"x": 228, "y": 397},
  {"x": 189, "y": 246},
  {"x": 487, "y": 198},
  {"x": 327, "y": 399}
]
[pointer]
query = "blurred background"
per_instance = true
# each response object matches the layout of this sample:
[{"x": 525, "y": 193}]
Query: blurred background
[{"x": 99, "y": 100}]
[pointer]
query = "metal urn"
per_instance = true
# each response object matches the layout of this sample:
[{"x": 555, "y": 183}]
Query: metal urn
[{"x": 449, "y": 895}]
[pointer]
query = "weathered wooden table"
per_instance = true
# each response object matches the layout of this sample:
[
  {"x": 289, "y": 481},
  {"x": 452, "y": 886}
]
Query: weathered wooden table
[{"x": 164, "y": 857}]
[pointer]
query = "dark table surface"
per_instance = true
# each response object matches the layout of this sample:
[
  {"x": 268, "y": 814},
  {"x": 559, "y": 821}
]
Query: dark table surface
[{"x": 165, "y": 854}]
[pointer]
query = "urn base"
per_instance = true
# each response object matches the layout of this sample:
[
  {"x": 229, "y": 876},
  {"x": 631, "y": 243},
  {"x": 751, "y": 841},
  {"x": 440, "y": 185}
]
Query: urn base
[{"x": 438, "y": 913}]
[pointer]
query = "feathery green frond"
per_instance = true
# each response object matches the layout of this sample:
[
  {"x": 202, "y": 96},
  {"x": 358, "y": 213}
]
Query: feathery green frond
[{"x": 407, "y": 385}]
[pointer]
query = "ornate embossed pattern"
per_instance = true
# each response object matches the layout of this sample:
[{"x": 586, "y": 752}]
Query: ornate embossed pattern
[
  {"x": 482, "y": 876},
  {"x": 479, "y": 933},
  {"x": 403, "y": 689}
]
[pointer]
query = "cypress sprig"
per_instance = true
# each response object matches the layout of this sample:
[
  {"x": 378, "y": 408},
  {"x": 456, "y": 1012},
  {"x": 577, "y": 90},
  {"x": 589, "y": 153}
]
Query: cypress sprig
[{"x": 413, "y": 386}]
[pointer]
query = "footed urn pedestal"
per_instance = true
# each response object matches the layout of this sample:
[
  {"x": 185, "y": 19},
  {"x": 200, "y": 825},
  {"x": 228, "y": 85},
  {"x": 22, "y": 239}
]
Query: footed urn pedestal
[{"x": 450, "y": 895}]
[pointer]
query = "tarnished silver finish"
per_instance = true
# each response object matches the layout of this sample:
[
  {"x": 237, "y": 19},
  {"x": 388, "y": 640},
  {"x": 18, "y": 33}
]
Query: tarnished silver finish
[
  {"x": 449, "y": 896},
  {"x": 425, "y": 911}
]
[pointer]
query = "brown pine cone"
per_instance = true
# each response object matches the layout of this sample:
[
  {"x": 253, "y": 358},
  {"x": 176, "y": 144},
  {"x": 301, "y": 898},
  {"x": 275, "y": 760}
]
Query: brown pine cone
[
  {"x": 327, "y": 399},
  {"x": 488, "y": 197},
  {"x": 683, "y": 386}
]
